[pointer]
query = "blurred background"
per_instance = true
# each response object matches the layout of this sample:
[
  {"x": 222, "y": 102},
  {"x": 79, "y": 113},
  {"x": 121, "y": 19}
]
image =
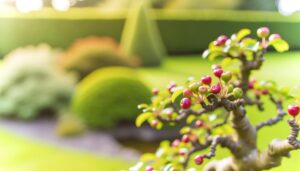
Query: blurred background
[{"x": 72, "y": 73}]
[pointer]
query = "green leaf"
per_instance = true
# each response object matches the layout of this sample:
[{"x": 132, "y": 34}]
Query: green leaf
[
  {"x": 185, "y": 130},
  {"x": 165, "y": 102},
  {"x": 243, "y": 33},
  {"x": 142, "y": 118},
  {"x": 168, "y": 167},
  {"x": 234, "y": 51},
  {"x": 142, "y": 106},
  {"x": 147, "y": 157},
  {"x": 248, "y": 42},
  {"x": 284, "y": 90},
  {"x": 213, "y": 55},
  {"x": 279, "y": 45},
  {"x": 177, "y": 93},
  {"x": 164, "y": 144},
  {"x": 159, "y": 126},
  {"x": 233, "y": 65},
  {"x": 190, "y": 119},
  {"x": 137, "y": 167},
  {"x": 206, "y": 53}
]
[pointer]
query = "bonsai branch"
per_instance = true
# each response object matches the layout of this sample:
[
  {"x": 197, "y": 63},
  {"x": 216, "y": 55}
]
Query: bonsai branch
[
  {"x": 223, "y": 141},
  {"x": 280, "y": 115},
  {"x": 279, "y": 148}
]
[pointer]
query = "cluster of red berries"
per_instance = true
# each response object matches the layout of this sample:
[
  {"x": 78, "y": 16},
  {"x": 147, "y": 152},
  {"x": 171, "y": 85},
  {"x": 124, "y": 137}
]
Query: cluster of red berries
[
  {"x": 293, "y": 110},
  {"x": 262, "y": 32},
  {"x": 205, "y": 85}
]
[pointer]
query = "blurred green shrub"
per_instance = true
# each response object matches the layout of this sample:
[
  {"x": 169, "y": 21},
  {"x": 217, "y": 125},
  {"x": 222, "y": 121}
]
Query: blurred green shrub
[
  {"x": 108, "y": 96},
  {"x": 88, "y": 54},
  {"x": 203, "y": 4},
  {"x": 265, "y": 5},
  {"x": 114, "y": 5},
  {"x": 141, "y": 36},
  {"x": 69, "y": 125},
  {"x": 30, "y": 83}
]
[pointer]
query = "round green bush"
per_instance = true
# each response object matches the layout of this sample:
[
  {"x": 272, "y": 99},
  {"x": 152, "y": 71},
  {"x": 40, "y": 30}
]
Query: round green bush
[{"x": 108, "y": 96}]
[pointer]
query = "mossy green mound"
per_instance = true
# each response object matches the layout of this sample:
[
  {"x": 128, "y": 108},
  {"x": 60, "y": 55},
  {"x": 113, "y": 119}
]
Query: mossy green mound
[{"x": 108, "y": 96}]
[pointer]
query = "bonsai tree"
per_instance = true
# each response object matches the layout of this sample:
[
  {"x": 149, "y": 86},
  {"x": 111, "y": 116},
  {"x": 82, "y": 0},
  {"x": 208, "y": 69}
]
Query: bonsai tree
[{"x": 213, "y": 111}]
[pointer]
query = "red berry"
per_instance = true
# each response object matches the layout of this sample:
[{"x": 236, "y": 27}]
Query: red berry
[
  {"x": 215, "y": 89},
  {"x": 251, "y": 84},
  {"x": 216, "y": 66},
  {"x": 185, "y": 103},
  {"x": 293, "y": 110},
  {"x": 149, "y": 168},
  {"x": 265, "y": 91},
  {"x": 175, "y": 143},
  {"x": 263, "y": 32},
  {"x": 221, "y": 40},
  {"x": 185, "y": 139},
  {"x": 274, "y": 36},
  {"x": 218, "y": 72},
  {"x": 199, "y": 159},
  {"x": 171, "y": 86},
  {"x": 187, "y": 92},
  {"x": 206, "y": 80},
  {"x": 155, "y": 91},
  {"x": 199, "y": 123}
]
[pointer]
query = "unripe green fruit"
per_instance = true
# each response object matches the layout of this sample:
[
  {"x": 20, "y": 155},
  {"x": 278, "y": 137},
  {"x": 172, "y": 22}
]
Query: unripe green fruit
[
  {"x": 229, "y": 88},
  {"x": 263, "y": 32},
  {"x": 226, "y": 76},
  {"x": 202, "y": 89},
  {"x": 237, "y": 92},
  {"x": 194, "y": 87}
]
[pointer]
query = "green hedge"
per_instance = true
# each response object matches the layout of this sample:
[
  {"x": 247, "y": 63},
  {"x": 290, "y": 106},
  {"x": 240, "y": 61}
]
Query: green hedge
[
  {"x": 191, "y": 31},
  {"x": 59, "y": 29},
  {"x": 183, "y": 31}
]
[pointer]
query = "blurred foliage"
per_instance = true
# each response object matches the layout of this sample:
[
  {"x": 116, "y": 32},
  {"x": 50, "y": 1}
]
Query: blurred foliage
[
  {"x": 203, "y": 4},
  {"x": 69, "y": 125},
  {"x": 265, "y": 5},
  {"x": 125, "y": 4},
  {"x": 108, "y": 96},
  {"x": 182, "y": 31},
  {"x": 88, "y": 54},
  {"x": 185, "y": 4},
  {"x": 30, "y": 83},
  {"x": 141, "y": 36}
]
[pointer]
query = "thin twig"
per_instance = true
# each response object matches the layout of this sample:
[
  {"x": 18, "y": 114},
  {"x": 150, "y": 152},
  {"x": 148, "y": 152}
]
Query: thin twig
[{"x": 279, "y": 117}]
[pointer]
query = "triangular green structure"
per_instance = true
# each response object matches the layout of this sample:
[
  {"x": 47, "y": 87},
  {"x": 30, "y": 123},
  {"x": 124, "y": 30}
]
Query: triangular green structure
[{"x": 141, "y": 36}]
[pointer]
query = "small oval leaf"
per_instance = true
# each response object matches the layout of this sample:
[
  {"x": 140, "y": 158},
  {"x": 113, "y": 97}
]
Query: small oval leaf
[
  {"x": 243, "y": 33},
  {"x": 177, "y": 93},
  {"x": 142, "y": 118},
  {"x": 279, "y": 45}
]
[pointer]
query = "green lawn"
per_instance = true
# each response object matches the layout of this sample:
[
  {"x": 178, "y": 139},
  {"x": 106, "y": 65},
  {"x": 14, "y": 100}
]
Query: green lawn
[{"x": 20, "y": 154}]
